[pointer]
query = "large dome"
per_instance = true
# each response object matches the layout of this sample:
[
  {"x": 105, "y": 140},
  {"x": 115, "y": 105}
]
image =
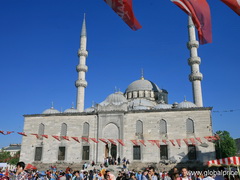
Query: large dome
[{"x": 142, "y": 85}]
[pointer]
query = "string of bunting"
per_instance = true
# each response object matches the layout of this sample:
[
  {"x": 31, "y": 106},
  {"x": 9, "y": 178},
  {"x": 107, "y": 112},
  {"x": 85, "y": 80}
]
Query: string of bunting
[{"x": 174, "y": 142}]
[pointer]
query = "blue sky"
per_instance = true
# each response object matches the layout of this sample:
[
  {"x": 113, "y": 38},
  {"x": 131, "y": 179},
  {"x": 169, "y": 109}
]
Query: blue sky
[{"x": 39, "y": 40}]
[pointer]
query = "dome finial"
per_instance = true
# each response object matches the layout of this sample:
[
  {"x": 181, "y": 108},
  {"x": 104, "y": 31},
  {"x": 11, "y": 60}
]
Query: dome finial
[
  {"x": 185, "y": 99},
  {"x": 52, "y": 106},
  {"x": 93, "y": 103},
  {"x": 142, "y": 73},
  {"x": 72, "y": 105},
  {"x": 115, "y": 89}
]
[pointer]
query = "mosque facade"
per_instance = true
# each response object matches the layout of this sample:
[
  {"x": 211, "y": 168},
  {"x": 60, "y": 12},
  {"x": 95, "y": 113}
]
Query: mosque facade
[{"x": 139, "y": 124}]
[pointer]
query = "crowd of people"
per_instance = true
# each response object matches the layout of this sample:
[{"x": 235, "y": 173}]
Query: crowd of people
[{"x": 102, "y": 173}]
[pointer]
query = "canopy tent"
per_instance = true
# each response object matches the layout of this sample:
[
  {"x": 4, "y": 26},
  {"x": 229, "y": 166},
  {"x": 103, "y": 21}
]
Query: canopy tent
[
  {"x": 30, "y": 166},
  {"x": 229, "y": 161}
]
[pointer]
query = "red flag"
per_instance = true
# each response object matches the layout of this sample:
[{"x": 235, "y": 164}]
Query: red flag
[
  {"x": 56, "y": 137},
  {"x": 157, "y": 142},
  {"x": 2, "y": 132},
  {"x": 142, "y": 142},
  {"x": 199, "y": 139},
  {"x": 103, "y": 140},
  {"x": 46, "y": 136},
  {"x": 164, "y": 141},
  {"x": 85, "y": 139},
  {"x": 172, "y": 141},
  {"x": 200, "y": 12},
  {"x": 151, "y": 141},
  {"x": 76, "y": 139},
  {"x": 217, "y": 136},
  {"x": 124, "y": 9},
  {"x": 193, "y": 141},
  {"x": 22, "y": 133},
  {"x": 94, "y": 140},
  {"x": 209, "y": 138},
  {"x": 66, "y": 137},
  {"x": 37, "y": 136},
  {"x": 9, "y": 132},
  {"x": 135, "y": 142},
  {"x": 178, "y": 142},
  {"x": 186, "y": 141},
  {"x": 112, "y": 141},
  {"x": 121, "y": 142},
  {"x": 233, "y": 4}
]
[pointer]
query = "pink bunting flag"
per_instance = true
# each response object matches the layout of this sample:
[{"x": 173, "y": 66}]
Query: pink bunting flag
[
  {"x": 172, "y": 141},
  {"x": 142, "y": 142},
  {"x": 135, "y": 142},
  {"x": 103, "y": 140},
  {"x": 121, "y": 142},
  {"x": 56, "y": 137},
  {"x": 94, "y": 140},
  {"x": 76, "y": 139}
]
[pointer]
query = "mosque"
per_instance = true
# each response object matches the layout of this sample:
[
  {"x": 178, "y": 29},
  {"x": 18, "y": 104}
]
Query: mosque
[{"x": 139, "y": 124}]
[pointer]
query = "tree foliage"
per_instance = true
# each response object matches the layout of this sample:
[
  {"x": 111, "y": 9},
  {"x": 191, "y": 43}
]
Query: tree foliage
[
  {"x": 6, "y": 157},
  {"x": 226, "y": 146}
]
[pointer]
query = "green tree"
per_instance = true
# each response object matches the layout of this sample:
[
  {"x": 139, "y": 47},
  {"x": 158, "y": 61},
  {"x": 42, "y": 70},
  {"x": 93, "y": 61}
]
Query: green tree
[
  {"x": 15, "y": 159},
  {"x": 4, "y": 156},
  {"x": 226, "y": 146}
]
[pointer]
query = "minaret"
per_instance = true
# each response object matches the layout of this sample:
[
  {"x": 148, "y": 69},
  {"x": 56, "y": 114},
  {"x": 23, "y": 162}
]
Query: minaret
[
  {"x": 194, "y": 61},
  {"x": 81, "y": 83}
]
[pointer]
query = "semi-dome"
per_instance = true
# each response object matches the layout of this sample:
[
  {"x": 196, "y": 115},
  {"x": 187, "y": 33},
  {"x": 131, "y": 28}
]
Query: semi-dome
[
  {"x": 142, "y": 85},
  {"x": 163, "y": 106},
  {"x": 116, "y": 98},
  {"x": 186, "y": 104},
  {"x": 51, "y": 111},
  {"x": 71, "y": 110},
  {"x": 141, "y": 102}
]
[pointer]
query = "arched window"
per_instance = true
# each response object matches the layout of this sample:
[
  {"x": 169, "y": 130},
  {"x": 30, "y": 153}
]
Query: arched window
[
  {"x": 64, "y": 129},
  {"x": 41, "y": 129},
  {"x": 139, "y": 127},
  {"x": 163, "y": 127},
  {"x": 190, "y": 126},
  {"x": 85, "y": 129}
]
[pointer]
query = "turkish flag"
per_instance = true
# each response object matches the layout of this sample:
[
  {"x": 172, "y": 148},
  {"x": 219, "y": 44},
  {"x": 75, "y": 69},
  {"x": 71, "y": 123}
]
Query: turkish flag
[
  {"x": 124, "y": 9},
  {"x": 233, "y": 4},
  {"x": 200, "y": 12}
]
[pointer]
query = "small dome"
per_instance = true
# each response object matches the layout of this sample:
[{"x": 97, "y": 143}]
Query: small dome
[
  {"x": 51, "y": 111},
  {"x": 88, "y": 110},
  {"x": 186, "y": 104},
  {"x": 163, "y": 106},
  {"x": 116, "y": 98},
  {"x": 142, "y": 84},
  {"x": 71, "y": 110}
]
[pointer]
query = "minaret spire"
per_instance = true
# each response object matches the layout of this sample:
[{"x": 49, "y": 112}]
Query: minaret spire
[
  {"x": 81, "y": 83},
  {"x": 194, "y": 61}
]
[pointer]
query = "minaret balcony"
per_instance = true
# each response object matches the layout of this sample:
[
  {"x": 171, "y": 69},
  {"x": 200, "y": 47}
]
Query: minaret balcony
[
  {"x": 82, "y": 53},
  {"x": 193, "y": 44},
  {"x": 195, "y": 77},
  {"x": 81, "y": 83},
  {"x": 194, "y": 60},
  {"x": 82, "y": 67}
]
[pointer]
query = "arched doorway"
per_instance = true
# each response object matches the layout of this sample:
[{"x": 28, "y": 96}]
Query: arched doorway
[{"x": 111, "y": 131}]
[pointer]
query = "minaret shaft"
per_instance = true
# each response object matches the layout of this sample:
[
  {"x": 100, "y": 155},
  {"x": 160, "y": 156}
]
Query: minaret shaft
[
  {"x": 81, "y": 83},
  {"x": 194, "y": 61}
]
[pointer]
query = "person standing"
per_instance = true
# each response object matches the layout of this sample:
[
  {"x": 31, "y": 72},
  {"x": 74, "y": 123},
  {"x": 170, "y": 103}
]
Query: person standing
[
  {"x": 151, "y": 174},
  {"x": 184, "y": 175},
  {"x": 21, "y": 174}
]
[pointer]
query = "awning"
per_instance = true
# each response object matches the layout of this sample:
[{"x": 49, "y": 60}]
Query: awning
[{"x": 229, "y": 161}]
